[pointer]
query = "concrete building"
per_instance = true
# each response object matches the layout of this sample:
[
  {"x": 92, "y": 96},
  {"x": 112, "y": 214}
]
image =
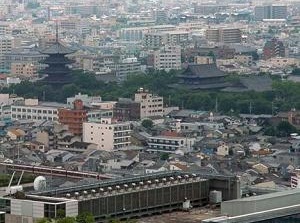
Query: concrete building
[
  {"x": 73, "y": 118},
  {"x": 224, "y": 35},
  {"x": 87, "y": 100},
  {"x": 20, "y": 56},
  {"x": 274, "y": 48},
  {"x": 35, "y": 111},
  {"x": 133, "y": 34},
  {"x": 126, "y": 67},
  {"x": 270, "y": 12},
  {"x": 203, "y": 60},
  {"x": 107, "y": 134},
  {"x": 167, "y": 58},
  {"x": 6, "y": 46},
  {"x": 170, "y": 144},
  {"x": 243, "y": 59},
  {"x": 23, "y": 70},
  {"x": 154, "y": 40},
  {"x": 127, "y": 110},
  {"x": 151, "y": 105}
]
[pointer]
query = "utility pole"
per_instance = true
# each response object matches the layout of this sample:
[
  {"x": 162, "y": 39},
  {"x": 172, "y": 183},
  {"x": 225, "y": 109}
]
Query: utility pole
[
  {"x": 216, "y": 106},
  {"x": 250, "y": 108}
]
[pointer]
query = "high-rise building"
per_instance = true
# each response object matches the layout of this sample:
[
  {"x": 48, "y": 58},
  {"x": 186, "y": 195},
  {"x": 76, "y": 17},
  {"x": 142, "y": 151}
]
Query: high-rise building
[
  {"x": 270, "y": 12},
  {"x": 74, "y": 117},
  {"x": 274, "y": 48},
  {"x": 6, "y": 46}
]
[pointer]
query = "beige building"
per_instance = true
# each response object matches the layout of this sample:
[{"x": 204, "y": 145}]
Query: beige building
[
  {"x": 25, "y": 70},
  {"x": 283, "y": 62},
  {"x": 243, "y": 59},
  {"x": 107, "y": 134},
  {"x": 203, "y": 60},
  {"x": 167, "y": 58},
  {"x": 151, "y": 105},
  {"x": 224, "y": 35}
]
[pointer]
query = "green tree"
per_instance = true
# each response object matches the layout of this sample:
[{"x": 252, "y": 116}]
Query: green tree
[
  {"x": 85, "y": 218},
  {"x": 66, "y": 220},
  {"x": 147, "y": 123},
  {"x": 284, "y": 128},
  {"x": 164, "y": 156},
  {"x": 43, "y": 220}
]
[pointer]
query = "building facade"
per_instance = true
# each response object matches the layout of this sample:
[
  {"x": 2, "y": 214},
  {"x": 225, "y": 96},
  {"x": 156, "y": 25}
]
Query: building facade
[
  {"x": 107, "y": 134},
  {"x": 151, "y": 105},
  {"x": 224, "y": 35},
  {"x": 73, "y": 118},
  {"x": 167, "y": 58}
]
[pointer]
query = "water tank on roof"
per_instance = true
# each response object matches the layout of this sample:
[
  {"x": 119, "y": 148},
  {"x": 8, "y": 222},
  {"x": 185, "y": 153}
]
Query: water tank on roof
[
  {"x": 215, "y": 197},
  {"x": 39, "y": 183}
]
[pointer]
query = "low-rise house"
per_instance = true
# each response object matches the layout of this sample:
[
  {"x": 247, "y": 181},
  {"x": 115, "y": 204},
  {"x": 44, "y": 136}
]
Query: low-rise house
[
  {"x": 261, "y": 168},
  {"x": 222, "y": 150},
  {"x": 16, "y": 134}
]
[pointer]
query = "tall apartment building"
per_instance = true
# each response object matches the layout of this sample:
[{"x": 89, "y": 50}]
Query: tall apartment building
[
  {"x": 274, "y": 48},
  {"x": 224, "y": 35},
  {"x": 126, "y": 67},
  {"x": 270, "y": 12},
  {"x": 74, "y": 117},
  {"x": 5, "y": 29},
  {"x": 107, "y": 134},
  {"x": 167, "y": 58},
  {"x": 6, "y": 46},
  {"x": 151, "y": 105},
  {"x": 155, "y": 40}
]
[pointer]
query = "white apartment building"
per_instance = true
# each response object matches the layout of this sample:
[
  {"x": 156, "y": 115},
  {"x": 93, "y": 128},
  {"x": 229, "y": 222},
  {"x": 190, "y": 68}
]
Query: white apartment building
[
  {"x": 167, "y": 58},
  {"x": 35, "y": 111},
  {"x": 170, "y": 144},
  {"x": 196, "y": 126},
  {"x": 107, "y": 134},
  {"x": 151, "y": 105}
]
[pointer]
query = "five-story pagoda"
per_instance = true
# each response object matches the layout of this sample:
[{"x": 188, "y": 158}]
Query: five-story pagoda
[{"x": 57, "y": 71}]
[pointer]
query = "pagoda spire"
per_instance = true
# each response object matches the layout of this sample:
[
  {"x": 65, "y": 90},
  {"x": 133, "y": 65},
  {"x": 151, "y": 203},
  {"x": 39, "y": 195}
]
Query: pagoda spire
[{"x": 56, "y": 32}]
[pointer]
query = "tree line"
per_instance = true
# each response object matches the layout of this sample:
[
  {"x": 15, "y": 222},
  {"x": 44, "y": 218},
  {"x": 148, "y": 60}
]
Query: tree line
[{"x": 284, "y": 96}]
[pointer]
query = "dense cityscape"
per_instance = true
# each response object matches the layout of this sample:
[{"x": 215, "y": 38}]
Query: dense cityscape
[{"x": 149, "y": 111}]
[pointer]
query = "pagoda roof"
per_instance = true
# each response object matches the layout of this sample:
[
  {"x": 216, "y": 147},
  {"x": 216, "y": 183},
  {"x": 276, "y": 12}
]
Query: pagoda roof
[
  {"x": 57, "y": 48},
  {"x": 202, "y": 71}
]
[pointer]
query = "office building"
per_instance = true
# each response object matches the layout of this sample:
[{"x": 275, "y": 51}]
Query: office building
[{"x": 270, "y": 12}]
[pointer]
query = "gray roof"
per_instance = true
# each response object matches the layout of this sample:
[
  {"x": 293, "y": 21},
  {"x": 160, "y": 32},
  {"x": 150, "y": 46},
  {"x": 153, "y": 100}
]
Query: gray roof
[
  {"x": 202, "y": 71},
  {"x": 57, "y": 48}
]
